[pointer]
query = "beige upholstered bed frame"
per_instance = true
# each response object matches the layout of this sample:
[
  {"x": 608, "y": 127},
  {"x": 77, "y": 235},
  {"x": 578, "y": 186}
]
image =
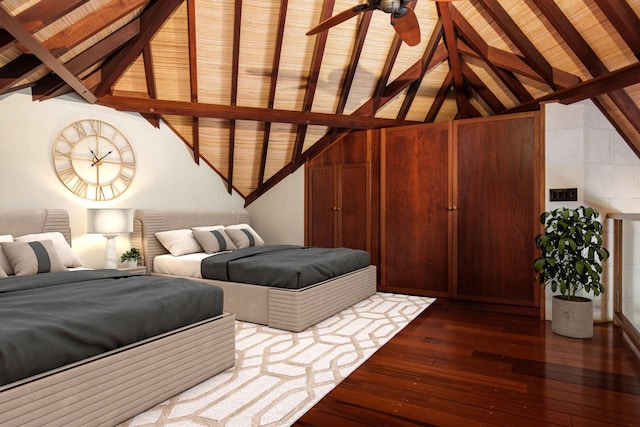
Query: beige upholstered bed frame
[
  {"x": 111, "y": 388},
  {"x": 288, "y": 309}
]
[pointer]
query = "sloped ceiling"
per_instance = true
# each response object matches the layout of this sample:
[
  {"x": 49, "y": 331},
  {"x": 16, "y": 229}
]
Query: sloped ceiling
[{"x": 254, "y": 97}]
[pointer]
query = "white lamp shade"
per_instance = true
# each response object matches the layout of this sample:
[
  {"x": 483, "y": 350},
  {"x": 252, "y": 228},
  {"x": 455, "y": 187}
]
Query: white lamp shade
[{"x": 109, "y": 221}]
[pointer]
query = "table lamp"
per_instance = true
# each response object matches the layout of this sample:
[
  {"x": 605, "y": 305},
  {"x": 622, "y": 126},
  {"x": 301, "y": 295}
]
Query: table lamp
[{"x": 110, "y": 223}]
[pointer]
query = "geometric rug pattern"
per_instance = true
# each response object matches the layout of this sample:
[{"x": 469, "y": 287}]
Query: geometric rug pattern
[{"x": 280, "y": 375}]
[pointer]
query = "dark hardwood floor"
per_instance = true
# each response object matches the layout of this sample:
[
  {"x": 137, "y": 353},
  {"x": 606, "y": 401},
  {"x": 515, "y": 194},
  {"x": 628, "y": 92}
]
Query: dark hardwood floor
[{"x": 462, "y": 364}]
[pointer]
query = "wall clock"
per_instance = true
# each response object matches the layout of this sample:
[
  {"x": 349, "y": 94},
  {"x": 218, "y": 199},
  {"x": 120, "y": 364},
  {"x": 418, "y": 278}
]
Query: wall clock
[{"x": 94, "y": 160}]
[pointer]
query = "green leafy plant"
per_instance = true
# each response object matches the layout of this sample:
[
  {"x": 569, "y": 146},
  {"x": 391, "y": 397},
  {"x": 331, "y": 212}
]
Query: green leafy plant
[
  {"x": 131, "y": 254},
  {"x": 571, "y": 251}
]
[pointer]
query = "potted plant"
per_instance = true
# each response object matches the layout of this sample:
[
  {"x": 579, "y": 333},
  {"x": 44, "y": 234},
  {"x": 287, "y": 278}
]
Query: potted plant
[
  {"x": 571, "y": 255},
  {"x": 131, "y": 257}
]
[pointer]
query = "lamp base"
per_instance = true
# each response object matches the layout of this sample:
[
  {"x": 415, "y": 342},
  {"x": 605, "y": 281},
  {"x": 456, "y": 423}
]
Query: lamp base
[{"x": 110, "y": 251}]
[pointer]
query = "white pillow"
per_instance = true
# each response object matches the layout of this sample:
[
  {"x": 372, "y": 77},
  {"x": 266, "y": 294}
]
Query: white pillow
[
  {"x": 179, "y": 242},
  {"x": 2, "y": 273},
  {"x": 67, "y": 256},
  {"x": 243, "y": 236},
  {"x": 5, "y": 265}
]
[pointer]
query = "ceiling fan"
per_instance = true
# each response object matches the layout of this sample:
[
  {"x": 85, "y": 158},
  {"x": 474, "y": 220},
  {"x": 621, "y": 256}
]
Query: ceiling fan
[{"x": 403, "y": 18}]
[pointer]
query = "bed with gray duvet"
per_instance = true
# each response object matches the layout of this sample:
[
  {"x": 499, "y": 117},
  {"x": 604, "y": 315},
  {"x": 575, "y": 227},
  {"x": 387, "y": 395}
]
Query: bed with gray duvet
[
  {"x": 97, "y": 347},
  {"x": 260, "y": 294}
]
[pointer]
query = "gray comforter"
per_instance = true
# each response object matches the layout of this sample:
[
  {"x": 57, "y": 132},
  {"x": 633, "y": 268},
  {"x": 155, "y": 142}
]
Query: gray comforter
[
  {"x": 283, "y": 266},
  {"x": 53, "y": 319}
]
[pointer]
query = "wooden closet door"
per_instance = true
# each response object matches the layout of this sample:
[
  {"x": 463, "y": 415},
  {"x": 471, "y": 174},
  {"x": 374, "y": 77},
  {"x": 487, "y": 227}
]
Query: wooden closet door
[
  {"x": 321, "y": 186},
  {"x": 498, "y": 197},
  {"x": 353, "y": 217},
  {"x": 415, "y": 195}
]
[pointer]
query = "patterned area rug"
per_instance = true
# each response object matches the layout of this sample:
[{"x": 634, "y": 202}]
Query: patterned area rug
[{"x": 279, "y": 375}]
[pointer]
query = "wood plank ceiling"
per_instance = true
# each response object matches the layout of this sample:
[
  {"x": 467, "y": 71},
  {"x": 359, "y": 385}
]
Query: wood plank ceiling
[{"x": 253, "y": 97}]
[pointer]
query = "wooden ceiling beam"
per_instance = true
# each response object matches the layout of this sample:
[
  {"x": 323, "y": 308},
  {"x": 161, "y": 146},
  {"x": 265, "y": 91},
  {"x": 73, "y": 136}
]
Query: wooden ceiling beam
[
  {"x": 392, "y": 56},
  {"x": 105, "y": 47},
  {"x": 16, "y": 29},
  {"x": 275, "y": 67},
  {"x": 198, "y": 109},
  {"x": 601, "y": 85},
  {"x": 193, "y": 77},
  {"x": 514, "y": 63},
  {"x": 233, "y": 99},
  {"x": 16, "y": 70},
  {"x": 476, "y": 83},
  {"x": 481, "y": 51},
  {"x": 441, "y": 96},
  {"x": 151, "y": 21},
  {"x": 532, "y": 56},
  {"x": 444, "y": 9},
  {"x": 6, "y": 40},
  {"x": 624, "y": 20},
  {"x": 46, "y": 12},
  {"x": 87, "y": 27},
  {"x": 150, "y": 80},
  {"x": 429, "y": 52},
  {"x": 50, "y": 83},
  {"x": 358, "y": 46},
  {"x": 383, "y": 79},
  {"x": 590, "y": 59},
  {"x": 312, "y": 84}
]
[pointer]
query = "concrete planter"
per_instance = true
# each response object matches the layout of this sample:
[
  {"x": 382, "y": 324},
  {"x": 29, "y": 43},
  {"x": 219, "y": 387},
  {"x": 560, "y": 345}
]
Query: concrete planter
[{"x": 572, "y": 318}]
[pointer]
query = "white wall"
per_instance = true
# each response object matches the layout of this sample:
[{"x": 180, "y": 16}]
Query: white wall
[
  {"x": 278, "y": 215},
  {"x": 584, "y": 150},
  {"x": 166, "y": 175}
]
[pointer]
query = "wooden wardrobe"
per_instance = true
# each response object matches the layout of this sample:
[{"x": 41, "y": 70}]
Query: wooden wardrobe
[
  {"x": 457, "y": 206},
  {"x": 342, "y": 198}
]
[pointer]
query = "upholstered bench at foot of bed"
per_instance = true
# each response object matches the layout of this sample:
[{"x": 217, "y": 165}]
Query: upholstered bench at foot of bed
[
  {"x": 297, "y": 310},
  {"x": 112, "y": 388}
]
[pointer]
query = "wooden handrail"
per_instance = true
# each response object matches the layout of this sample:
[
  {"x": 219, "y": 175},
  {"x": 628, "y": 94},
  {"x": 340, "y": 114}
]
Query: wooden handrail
[{"x": 628, "y": 328}]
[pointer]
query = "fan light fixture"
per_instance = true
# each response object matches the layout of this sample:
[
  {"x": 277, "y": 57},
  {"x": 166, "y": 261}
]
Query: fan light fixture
[{"x": 403, "y": 18}]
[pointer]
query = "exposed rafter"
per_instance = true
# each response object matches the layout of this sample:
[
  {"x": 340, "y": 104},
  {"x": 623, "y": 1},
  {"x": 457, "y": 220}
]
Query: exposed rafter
[
  {"x": 31, "y": 43},
  {"x": 163, "y": 58},
  {"x": 199, "y": 109}
]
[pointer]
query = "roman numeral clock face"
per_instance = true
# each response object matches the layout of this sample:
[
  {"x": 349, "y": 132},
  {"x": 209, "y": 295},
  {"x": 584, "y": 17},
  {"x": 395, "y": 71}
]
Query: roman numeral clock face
[{"x": 94, "y": 160}]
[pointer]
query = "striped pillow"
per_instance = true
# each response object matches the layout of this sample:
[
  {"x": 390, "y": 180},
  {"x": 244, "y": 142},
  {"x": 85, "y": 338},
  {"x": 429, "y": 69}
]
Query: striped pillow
[
  {"x": 213, "y": 241},
  {"x": 243, "y": 236},
  {"x": 28, "y": 258}
]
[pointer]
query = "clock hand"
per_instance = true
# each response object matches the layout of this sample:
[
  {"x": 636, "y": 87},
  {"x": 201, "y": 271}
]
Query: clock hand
[
  {"x": 100, "y": 159},
  {"x": 105, "y": 155},
  {"x": 95, "y": 158}
]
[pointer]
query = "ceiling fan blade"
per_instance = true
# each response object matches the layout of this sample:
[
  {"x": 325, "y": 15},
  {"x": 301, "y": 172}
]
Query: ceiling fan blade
[
  {"x": 337, "y": 19},
  {"x": 407, "y": 27}
]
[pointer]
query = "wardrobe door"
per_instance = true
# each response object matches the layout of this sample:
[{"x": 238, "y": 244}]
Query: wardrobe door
[
  {"x": 415, "y": 197},
  {"x": 498, "y": 204},
  {"x": 353, "y": 215},
  {"x": 322, "y": 205}
]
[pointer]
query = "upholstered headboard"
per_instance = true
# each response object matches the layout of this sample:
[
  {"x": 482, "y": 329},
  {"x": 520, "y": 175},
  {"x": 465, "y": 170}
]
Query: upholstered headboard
[
  {"x": 19, "y": 222},
  {"x": 147, "y": 222}
]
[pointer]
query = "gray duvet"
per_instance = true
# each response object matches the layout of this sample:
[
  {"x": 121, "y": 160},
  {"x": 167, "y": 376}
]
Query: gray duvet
[
  {"x": 53, "y": 319},
  {"x": 283, "y": 266}
]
